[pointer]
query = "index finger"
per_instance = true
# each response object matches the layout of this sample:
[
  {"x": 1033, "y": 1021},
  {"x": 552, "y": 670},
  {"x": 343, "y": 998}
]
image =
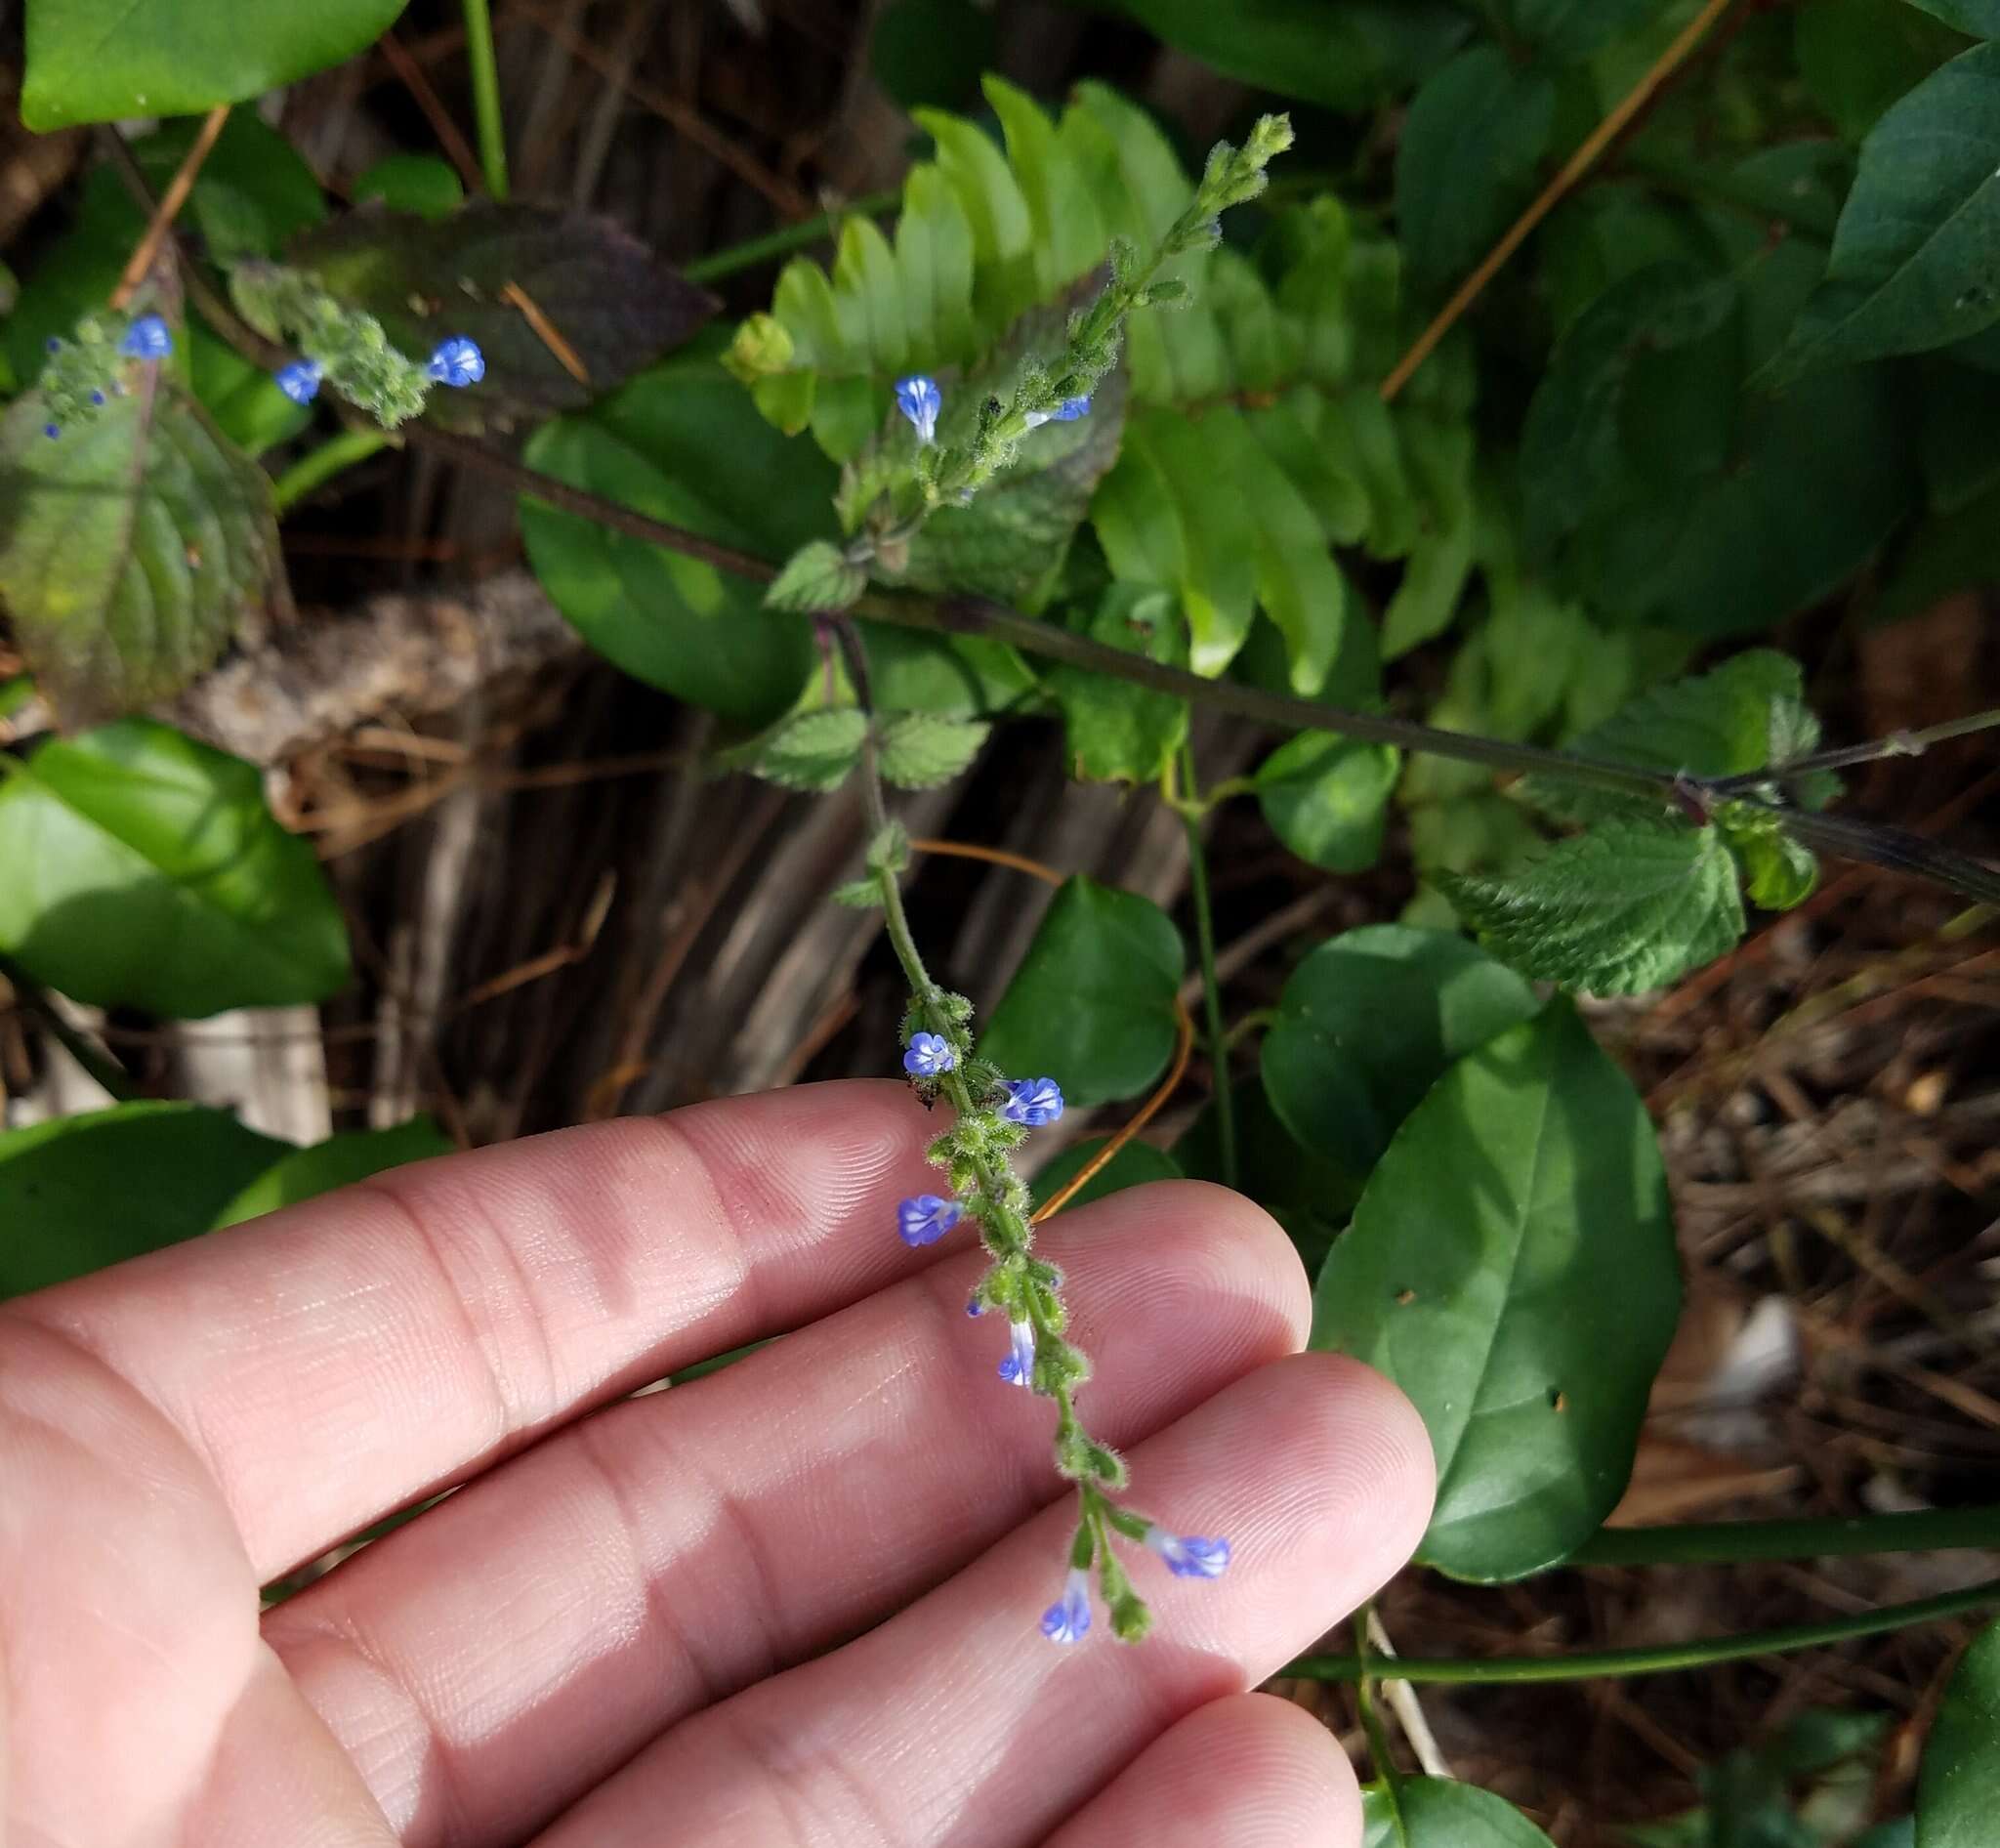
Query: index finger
[{"x": 347, "y": 1356}]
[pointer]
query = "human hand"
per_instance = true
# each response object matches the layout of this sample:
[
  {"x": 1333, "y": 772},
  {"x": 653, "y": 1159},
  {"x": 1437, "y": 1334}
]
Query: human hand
[{"x": 794, "y": 1601}]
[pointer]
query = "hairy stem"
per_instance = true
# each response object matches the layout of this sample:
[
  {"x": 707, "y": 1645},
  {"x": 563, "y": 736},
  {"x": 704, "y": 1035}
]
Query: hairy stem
[
  {"x": 1211, "y": 985},
  {"x": 478, "y": 46},
  {"x": 1657, "y": 1660}
]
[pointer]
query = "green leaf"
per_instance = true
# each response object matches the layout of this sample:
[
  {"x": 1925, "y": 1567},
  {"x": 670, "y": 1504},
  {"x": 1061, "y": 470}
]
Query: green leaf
[
  {"x": 1625, "y": 908},
  {"x": 412, "y": 182},
  {"x": 1947, "y": 552},
  {"x": 132, "y": 547},
  {"x": 1137, "y": 1164},
  {"x": 1091, "y": 1005},
  {"x": 919, "y": 750},
  {"x": 79, "y": 1193},
  {"x": 1116, "y": 732},
  {"x": 1440, "y": 1813},
  {"x": 1916, "y": 255},
  {"x": 931, "y": 51},
  {"x": 1856, "y": 56},
  {"x": 1465, "y": 162},
  {"x": 1512, "y": 1268},
  {"x": 1961, "y": 412},
  {"x": 1778, "y": 870},
  {"x": 1326, "y": 798},
  {"x": 1961, "y": 1765},
  {"x": 99, "y": 61},
  {"x": 1366, "y": 1024},
  {"x": 1741, "y": 716},
  {"x": 1307, "y": 1194},
  {"x": 1980, "y": 18},
  {"x": 147, "y": 871},
  {"x": 1344, "y": 56},
  {"x": 816, "y": 577},
  {"x": 1569, "y": 31},
  {"x": 963, "y": 676},
  {"x": 859, "y": 895},
  {"x": 302, "y": 1173},
  {"x": 814, "y": 751},
  {"x": 614, "y": 305},
  {"x": 684, "y": 443}
]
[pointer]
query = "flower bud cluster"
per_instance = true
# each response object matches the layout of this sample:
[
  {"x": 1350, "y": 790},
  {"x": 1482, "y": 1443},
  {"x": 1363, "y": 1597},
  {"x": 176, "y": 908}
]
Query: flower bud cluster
[
  {"x": 96, "y": 364},
  {"x": 344, "y": 347}
]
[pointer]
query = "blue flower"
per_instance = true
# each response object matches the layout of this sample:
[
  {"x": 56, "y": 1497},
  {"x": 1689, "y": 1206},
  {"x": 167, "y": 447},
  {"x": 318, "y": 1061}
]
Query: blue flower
[
  {"x": 1067, "y": 1619},
  {"x": 97, "y": 398},
  {"x": 457, "y": 361},
  {"x": 1067, "y": 412},
  {"x": 930, "y": 1055},
  {"x": 1032, "y": 1101},
  {"x": 927, "y": 1218},
  {"x": 1190, "y": 1556},
  {"x": 51, "y": 430},
  {"x": 300, "y": 381},
  {"x": 972, "y": 1305},
  {"x": 146, "y": 338},
  {"x": 1018, "y": 1367},
  {"x": 919, "y": 401},
  {"x": 54, "y": 343}
]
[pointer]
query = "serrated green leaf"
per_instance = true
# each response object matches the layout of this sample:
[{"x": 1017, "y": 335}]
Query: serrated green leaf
[
  {"x": 101, "y": 61},
  {"x": 1465, "y": 164},
  {"x": 1116, "y": 732},
  {"x": 1961, "y": 1765},
  {"x": 614, "y": 304},
  {"x": 1626, "y": 907},
  {"x": 816, "y": 577},
  {"x": 306, "y": 1173},
  {"x": 1327, "y": 798},
  {"x": 1440, "y": 1813},
  {"x": 1779, "y": 872},
  {"x": 145, "y": 870},
  {"x": 813, "y": 750},
  {"x": 684, "y": 443},
  {"x": 1913, "y": 263},
  {"x": 1368, "y": 1022},
  {"x": 1741, "y": 716},
  {"x": 859, "y": 895},
  {"x": 80, "y": 1192},
  {"x": 919, "y": 750},
  {"x": 1137, "y": 1164},
  {"x": 1091, "y": 1005},
  {"x": 1511, "y": 1267},
  {"x": 132, "y": 547}
]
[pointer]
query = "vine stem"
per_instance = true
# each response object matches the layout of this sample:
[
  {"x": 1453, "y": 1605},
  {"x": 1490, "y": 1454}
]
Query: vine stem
[
  {"x": 168, "y": 209},
  {"x": 1551, "y": 196},
  {"x": 1731, "y": 1543},
  {"x": 1664, "y": 1658},
  {"x": 1896, "y": 744},
  {"x": 318, "y": 466},
  {"x": 478, "y": 46},
  {"x": 1191, "y": 816}
]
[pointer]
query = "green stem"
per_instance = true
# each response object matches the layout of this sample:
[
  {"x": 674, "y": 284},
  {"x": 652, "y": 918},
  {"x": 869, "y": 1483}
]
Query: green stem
[
  {"x": 478, "y": 45},
  {"x": 1730, "y": 1543},
  {"x": 786, "y": 238},
  {"x": 317, "y": 467},
  {"x": 1211, "y": 986},
  {"x": 1653, "y": 1660}
]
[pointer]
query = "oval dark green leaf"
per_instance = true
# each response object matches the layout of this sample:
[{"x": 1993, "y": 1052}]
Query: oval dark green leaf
[
  {"x": 1091, "y": 1005},
  {"x": 1511, "y": 1267},
  {"x": 1440, "y": 1813},
  {"x": 303, "y": 1173},
  {"x": 1961, "y": 1769},
  {"x": 145, "y": 870}
]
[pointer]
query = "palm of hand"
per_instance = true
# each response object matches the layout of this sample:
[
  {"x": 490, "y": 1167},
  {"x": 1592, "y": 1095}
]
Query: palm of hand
[{"x": 791, "y": 1603}]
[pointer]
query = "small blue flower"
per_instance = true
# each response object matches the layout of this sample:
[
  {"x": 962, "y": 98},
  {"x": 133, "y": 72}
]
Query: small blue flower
[
  {"x": 927, "y": 1218},
  {"x": 930, "y": 1056},
  {"x": 52, "y": 431},
  {"x": 54, "y": 343},
  {"x": 457, "y": 361},
  {"x": 1067, "y": 412},
  {"x": 1032, "y": 1101},
  {"x": 97, "y": 398},
  {"x": 1018, "y": 1367},
  {"x": 300, "y": 381},
  {"x": 919, "y": 401},
  {"x": 1067, "y": 1619},
  {"x": 972, "y": 1305},
  {"x": 1190, "y": 1556},
  {"x": 146, "y": 338}
]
